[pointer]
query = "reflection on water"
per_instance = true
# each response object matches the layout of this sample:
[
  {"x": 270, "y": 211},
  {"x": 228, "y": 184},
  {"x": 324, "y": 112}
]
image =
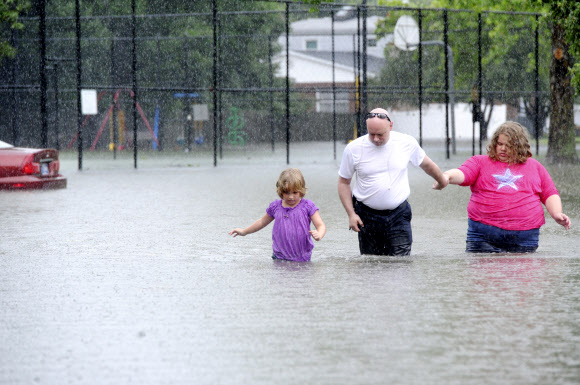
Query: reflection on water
[{"x": 129, "y": 276}]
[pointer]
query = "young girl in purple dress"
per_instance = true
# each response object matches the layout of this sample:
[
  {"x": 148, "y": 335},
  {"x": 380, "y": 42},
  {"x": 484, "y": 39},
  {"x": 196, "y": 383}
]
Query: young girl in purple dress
[{"x": 291, "y": 235}]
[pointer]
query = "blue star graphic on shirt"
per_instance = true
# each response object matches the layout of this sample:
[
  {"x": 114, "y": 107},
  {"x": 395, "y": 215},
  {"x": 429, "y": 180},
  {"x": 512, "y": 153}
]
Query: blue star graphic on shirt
[{"x": 507, "y": 179}]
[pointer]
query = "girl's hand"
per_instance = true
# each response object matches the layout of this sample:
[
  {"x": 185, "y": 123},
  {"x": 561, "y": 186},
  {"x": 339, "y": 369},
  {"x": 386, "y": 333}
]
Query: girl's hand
[
  {"x": 315, "y": 235},
  {"x": 237, "y": 231}
]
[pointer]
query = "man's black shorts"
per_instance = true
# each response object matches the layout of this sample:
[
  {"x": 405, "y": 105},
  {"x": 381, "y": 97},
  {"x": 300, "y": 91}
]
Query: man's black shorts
[{"x": 385, "y": 232}]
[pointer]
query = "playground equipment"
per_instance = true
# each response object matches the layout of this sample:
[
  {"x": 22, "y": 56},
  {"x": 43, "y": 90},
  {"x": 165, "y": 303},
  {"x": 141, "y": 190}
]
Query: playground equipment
[
  {"x": 121, "y": 116},
  {"x": 196, "y": 114},
  {"x": 200, "y": 115},
  {"x": 120, "y": 131},
  {"x": 235, "y": 123}
]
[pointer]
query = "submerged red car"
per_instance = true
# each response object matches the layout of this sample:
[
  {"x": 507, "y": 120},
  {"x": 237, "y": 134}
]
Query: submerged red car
[{"x": 29, "y": 168}]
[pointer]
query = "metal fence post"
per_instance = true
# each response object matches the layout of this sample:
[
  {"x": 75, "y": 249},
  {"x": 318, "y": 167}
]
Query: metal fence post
[
  {"x": 446, "y": 44},
  {"x": 215, "y": 82},
  {"x": 271, "y": 93},
  {"x": 420, "y": 71},
  {"x": 333, "y": 86},
  {"x": 134, "y": 76},
  {"x": 537, "y": 86},
  {"x": 479, "y": 80},
  {"x": 79, "y": 79},
  {"x": 43, "y": 80},
  {"x": 364, "y": 107},
  {"x": 287, "y": 83}
]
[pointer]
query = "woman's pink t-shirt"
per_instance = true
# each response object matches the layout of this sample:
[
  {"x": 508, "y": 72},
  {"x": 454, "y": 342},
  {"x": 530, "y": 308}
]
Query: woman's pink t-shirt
[{"x": 508, "y": 196}]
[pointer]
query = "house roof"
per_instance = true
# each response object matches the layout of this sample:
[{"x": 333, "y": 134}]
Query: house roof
[
  {"x": 323, "y": 25},
  {"x": 374, "y": 64},
  {"x": 310, "y": 69},
  {"x": 315, "y": 65}
]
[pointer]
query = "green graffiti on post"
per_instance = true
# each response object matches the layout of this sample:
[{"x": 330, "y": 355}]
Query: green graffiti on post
[{"x": 235, "y": 123}]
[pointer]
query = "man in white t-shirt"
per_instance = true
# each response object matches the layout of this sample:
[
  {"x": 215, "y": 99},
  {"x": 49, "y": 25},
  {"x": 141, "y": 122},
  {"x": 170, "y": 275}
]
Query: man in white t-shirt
[{"x": 377, "y": 205}]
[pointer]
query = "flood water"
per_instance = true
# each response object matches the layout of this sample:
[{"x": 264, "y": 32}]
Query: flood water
[{"x": 129, "y": 277}]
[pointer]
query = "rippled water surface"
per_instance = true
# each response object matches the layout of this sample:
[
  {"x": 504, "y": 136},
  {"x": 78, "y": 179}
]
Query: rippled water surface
[{"x": 129, "y": 277}]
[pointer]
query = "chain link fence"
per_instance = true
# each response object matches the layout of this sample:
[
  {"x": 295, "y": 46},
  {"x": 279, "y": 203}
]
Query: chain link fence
[{"x": 259, "y": 78}]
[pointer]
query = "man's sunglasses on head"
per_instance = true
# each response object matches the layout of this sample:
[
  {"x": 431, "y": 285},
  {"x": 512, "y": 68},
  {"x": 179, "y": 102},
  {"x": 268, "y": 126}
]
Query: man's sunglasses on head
[{"x": 380, "y": 115}]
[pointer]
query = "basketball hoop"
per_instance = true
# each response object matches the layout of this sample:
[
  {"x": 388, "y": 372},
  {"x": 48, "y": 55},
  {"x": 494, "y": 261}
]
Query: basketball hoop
[{"x": 406, "y": 34}]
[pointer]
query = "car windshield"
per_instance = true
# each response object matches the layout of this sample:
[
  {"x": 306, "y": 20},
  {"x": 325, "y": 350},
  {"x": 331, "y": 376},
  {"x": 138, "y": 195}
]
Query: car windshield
[{"x": 5, "y": 145}]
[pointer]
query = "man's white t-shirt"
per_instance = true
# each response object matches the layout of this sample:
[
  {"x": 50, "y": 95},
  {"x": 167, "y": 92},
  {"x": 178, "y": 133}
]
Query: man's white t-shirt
[{"x": 382, "y": 180}]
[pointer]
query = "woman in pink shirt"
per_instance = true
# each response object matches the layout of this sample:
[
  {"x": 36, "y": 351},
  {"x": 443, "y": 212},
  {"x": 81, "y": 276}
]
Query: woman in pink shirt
[{"x": 508, "y": 189}]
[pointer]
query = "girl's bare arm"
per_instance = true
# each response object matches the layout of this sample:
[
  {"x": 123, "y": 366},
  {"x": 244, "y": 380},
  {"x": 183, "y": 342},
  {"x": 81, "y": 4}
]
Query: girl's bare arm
[
  {"x": 317, "y": 234},
  {"x": 256, "y": 226}
]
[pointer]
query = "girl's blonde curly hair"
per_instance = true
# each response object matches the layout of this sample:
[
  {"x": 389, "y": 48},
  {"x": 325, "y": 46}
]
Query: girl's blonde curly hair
[
  {"x": 291, "y": 180},
  {"x": 518, "y": 142}
]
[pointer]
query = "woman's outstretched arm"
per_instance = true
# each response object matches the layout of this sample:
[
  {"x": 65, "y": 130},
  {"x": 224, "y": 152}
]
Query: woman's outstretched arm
[
  {"x": 453, "y": 176},
  {"x": 554, "y": 207}
]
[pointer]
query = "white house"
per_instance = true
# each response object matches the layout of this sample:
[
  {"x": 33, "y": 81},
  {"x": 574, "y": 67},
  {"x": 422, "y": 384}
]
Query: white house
[{"x": 310, "y": 52}]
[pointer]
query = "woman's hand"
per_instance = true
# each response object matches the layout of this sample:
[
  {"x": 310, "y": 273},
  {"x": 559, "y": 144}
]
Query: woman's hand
[
  {"x": 562, "y": 219},
  {"x": 439, "y": 186}
]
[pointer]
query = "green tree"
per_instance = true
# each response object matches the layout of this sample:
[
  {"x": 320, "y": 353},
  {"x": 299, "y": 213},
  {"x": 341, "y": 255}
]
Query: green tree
[
  {"x": 508, "y": 62},
  {"x": 507, "y": 65},
  {"x": 185, "y": 29},
  {"x": 564, "y": 77},
  {"x": 174, "y": 47},
  {"x": 9, "y": 12}
]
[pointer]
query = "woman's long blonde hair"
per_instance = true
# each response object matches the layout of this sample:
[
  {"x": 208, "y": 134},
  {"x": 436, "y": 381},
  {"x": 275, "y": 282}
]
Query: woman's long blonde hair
[
  {"x": 291, "y": 180},
  {"x": 518, "y": 142}
]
